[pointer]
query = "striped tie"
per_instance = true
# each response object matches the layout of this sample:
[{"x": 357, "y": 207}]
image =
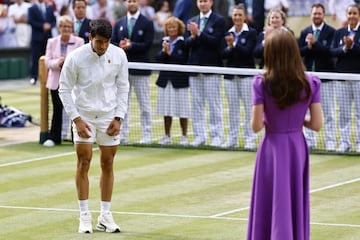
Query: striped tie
[
  {"x": 203, "y": 23},
  {"x": 316, "y": 36},
  {"x": 131, "y": 26},
  {"x": 77, "y": 26}
]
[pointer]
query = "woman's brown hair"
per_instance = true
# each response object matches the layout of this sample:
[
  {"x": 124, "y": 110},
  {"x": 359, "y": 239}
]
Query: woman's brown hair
[
  {"x": 284, "y": 73},
  {"x": 176, "y": 21}
]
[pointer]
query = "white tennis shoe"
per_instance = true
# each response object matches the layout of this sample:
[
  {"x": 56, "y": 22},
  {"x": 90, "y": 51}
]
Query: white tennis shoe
[
  {"x": 106, "y": 223},
  {"x": 85, "y": 223}
]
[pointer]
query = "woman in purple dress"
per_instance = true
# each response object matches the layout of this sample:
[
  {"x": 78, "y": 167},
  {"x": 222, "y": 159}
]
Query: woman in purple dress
[{"x": 281, "y": 96}]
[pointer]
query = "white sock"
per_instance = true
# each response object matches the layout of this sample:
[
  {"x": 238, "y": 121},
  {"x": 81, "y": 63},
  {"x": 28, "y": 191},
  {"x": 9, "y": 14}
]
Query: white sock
[
  {"x": 83, "y": 205},
  {"x": 104, "y": 207}
]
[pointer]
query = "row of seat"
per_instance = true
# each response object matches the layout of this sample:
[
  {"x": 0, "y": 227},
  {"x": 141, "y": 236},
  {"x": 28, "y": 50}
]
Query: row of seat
[{"x": 13, "y": 68}]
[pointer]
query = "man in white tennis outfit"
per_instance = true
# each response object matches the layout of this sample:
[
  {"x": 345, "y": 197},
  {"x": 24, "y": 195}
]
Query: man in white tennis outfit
[{"x": 94, "y": 89}]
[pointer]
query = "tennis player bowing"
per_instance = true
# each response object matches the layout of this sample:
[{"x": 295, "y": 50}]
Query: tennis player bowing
[{"x": 94, "y": 89}]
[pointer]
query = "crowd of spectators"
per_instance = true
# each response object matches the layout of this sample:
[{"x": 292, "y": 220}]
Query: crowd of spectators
[{"x": 205, "y": 31}]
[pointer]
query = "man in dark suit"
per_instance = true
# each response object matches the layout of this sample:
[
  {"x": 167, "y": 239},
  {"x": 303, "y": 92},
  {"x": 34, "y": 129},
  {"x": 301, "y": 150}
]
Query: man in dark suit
[
  {"x": 182, "y": 10},
  {"x": 81, "y": 22},
  {"x": 315, "y": 42},
  {"x": 41, "y": 19},
  {"x": 134, "y": 33},
  {"x": 203, "y": 39}
]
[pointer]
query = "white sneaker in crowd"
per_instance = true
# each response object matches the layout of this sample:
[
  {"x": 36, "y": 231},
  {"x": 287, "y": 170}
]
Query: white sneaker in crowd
[
  {"x": 166, "y": 140},
  {"x": 184, "y": 141},
  {"x": 230, "y": 144},
  {"x": 343, "y": 148},
  {"x": 49, "y": 143},
  {"x": 106, "y": 223},
  {"x": 85, "y": 223},
  {"x": 330, "y": 147},
  {"x": 32, "y": 81},
  {"x": 250, "y": 146},
  {"x": 145, "y": 140},
  {"x": 123, "y": 141},
  {"x": 198, "y": 142},
  {"x": 216, "y": 142},
  {"x": 357, "y": 148}
]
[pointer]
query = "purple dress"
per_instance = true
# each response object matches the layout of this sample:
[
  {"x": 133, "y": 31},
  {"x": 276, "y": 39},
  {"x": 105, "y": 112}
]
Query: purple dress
[{"x": 280, "y": 194}]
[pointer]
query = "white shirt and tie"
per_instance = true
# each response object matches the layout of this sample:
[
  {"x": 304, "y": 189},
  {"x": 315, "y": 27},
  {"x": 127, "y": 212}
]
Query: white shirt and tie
[
  {"x": 131, "y": 22},
  {"x": 203, "y": 20}
]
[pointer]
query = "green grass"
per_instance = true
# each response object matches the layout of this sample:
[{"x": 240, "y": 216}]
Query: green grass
[{"x": 162, "y": 194}]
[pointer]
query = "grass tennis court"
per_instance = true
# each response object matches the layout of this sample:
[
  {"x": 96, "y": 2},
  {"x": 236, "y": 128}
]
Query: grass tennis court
[{"x": 162, "y": 194}]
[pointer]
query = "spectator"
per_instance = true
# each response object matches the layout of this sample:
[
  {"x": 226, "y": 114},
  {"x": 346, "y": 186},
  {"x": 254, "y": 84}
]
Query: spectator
[
  {"x": 42, "y": 19},
  {"x": 282, "y": 5},
  {"x": 66, "y": 122},
  {"x": 56, "y": 50},
  {"x": 315, "y": 42},
  {"x": 337, "y": 10},
  {"x": 279, "y": 206},
  {"x": 173, "y": 94},
  {"x": 257, "y": 15},
  {"x": 18, "y": 11},
  {"x": 240, "y": 43},
  {"x": 160, "y": 18},
  {"x": 101, "y": 9},
  {"x": 147, "y": 10},
  {"x": 346, "y": 47},
  {"x": 203, "y": 39},
  {"x": 134, "y": 33},
  {"x": 59, "y": 4},
  {"x": 275, "y": 19},
  {"x": 222, "y": 7},
  {"x": 7, "y": 29},
  {"x": 182, "y": 10},
  {"x": 64, "y": 10},
  {"x": 119, "y": 9},
  {"x": 82, "y": 23}
]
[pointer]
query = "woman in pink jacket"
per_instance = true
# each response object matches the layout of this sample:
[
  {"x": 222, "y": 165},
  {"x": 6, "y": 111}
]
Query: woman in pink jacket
[{"x": 56, "y": 50}]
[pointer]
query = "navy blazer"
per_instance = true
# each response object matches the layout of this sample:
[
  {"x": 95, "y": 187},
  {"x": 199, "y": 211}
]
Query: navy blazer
[
  {"x": 178, "y": 56},
  {"x": 259, "y": 50},
  {"x": 320, "y": 51},
  {"x": 258, "y": 15},
  {"x": 241, "y": 55},
  {"x": 141, "y": 40},
  {"x": 84, "y": 31},
  {"x": 182, "y": 10},
  {"x": 205, "y": 49},
  {"x": 348, "y": 62},
  {"x": 36, "y": 19}
]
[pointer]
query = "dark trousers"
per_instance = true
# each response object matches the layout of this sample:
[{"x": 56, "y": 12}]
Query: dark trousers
[
  {"x": 37, "y": 49},
  {"x": 56, "y": 121}
]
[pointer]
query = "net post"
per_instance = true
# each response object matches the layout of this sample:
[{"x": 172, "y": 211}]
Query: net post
[{"x": 44, "y": 101}]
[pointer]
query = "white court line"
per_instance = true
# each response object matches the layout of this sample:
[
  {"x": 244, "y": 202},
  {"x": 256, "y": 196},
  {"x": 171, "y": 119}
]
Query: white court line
[
  {"x": 169, "y": 215},
  {"x": 312, "y": 191},
  {"x": 40, "y": 158},
  {"x": 335, "y": 185},
  {"x": 218, "y": 215},
  {"x": 230, "y": 212},
  {"x": 125, "y": 213}
]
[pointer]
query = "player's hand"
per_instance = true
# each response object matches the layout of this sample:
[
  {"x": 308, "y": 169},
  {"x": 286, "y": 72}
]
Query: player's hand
[
  {"x": 83, "y": 129},
  {"x": 114, "y": 128}
]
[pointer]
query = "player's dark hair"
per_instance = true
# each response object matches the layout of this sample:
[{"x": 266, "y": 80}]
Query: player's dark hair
[{"x": 101, "y": 27}]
